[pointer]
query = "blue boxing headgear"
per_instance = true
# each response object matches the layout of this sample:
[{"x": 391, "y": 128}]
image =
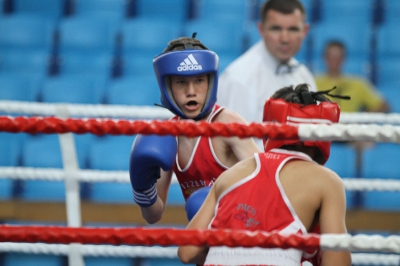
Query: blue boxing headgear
[{"x": 188, "y": 62}]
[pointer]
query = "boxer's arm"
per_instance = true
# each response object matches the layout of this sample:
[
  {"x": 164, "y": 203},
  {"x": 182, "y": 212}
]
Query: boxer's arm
[
  {"x": 154, "y": 213},
  {"x": 201, "y": 220},
  {"x": 150, "y": 154},
  {"x": 241, "y": 147},
  {"x": 332, "y": 216}
]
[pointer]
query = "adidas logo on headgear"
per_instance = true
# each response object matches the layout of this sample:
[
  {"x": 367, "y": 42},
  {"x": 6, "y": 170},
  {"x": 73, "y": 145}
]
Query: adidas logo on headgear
[{"x": 189, "y": 63}]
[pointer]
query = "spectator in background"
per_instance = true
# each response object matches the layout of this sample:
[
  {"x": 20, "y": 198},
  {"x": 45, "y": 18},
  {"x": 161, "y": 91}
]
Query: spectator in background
[
  {"x": 268, "y": 65},
  {"x": 364, "y": 97}
]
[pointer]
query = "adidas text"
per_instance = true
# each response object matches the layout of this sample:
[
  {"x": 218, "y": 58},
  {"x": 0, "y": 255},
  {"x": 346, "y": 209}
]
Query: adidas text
[
  {"x": 190, "y": 63},
  {"x": 189, "y": 67}
]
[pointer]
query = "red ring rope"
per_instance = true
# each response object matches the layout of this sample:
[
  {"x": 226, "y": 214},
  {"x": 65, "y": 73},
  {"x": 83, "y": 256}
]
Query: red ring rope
[
  {"x": 159, "y": 236},
  {"x": 51, "y": 125}
]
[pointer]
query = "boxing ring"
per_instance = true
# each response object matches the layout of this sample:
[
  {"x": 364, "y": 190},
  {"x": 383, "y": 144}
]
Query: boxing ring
[{"x": 76, "y": 241}]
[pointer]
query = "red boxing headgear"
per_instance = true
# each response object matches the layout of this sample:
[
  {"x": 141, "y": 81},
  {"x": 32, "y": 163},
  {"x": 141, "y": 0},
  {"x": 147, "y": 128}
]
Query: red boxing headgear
[{"x": 278, "y": 110}]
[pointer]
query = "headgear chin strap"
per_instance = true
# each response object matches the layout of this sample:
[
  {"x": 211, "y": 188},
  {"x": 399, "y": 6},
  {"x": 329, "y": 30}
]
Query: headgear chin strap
[
  {"x": 188, "y": 62},
  {"x": 278, "y": 110}
]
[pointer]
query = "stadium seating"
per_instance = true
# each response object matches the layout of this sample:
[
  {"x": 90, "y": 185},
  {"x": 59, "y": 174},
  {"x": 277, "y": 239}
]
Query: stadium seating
[
  {"x": 355, "y": 12},
  {"x": 357, "y": 41},
  {"x": 10, "y": 146},
  {"x": 378, "y": 161},
  {"x": 133, "y": 90},
  {"x": 26, "y": 32},
  {"x": 19, "y": 87},
  {"x": 81, "y": 89},
  {"x": 22, "y": 259},
  {"x": 42, "y": 151},
  {"x": 115, "y": 9},
  {"x": 148, "y": 35},
  {"x": 33, "y": 62},
  {"x": 172, "y": 10},
  {"x": 235, "y": 11},
  {"x": 391, "y": 11},
  {"x": 111, "y": 153},
  {"x": 106, "y": 261},
  {"x": 230, "y": 38},
  {"x": 87, "y": 44},
  {"x": 52, "y": 9}
]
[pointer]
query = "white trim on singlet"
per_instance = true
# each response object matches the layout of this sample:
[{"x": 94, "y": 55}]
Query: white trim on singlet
[
  {"x": 210, "y": 141},
  {"x": 237, "y": 184},
  {"x": 296, "y": 225},
  {"x": 209, "y": 118}
]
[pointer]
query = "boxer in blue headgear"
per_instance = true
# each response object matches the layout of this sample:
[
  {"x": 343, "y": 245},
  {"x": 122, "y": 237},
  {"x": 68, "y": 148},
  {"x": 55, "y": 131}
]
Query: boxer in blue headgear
[
  {"x": 186, "y": 57},
  {"x": 187, "y": 74}
]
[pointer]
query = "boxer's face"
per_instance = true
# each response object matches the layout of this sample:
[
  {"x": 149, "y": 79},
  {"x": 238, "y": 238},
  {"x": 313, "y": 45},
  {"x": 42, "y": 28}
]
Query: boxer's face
[
  {"x": 283, "y": 34},
  {"x": 190, "y": 93}
]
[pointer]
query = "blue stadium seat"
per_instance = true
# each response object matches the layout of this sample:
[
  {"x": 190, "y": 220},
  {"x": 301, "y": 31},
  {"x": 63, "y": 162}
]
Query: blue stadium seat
[
  {"x": 19, "y": 87},
  {"x": 43, "y": 151},
  {"x": 388, "y": 70},
  {"x": 252, "y": 35},
  {"x": 87, "y": 34},
  {"x": 11, "y": 147},
  {"x": 53, "y": 9},
  {"x": 163, "y": 262},
  {"x": 380, "y": 160},
  {"x": 342, "y": 160},
  {"x": 175, "y": 196},
  {"x": 26, "y": 32},
  {"x": 392, "y": 11},
  {"x": 382, "y": 200},
  {"x": 155, "y": 9},
  {"x": 224, "y": 61},
  {"x": 106, "y": 261},
  {"x": 135, "y": 90},
  {"x": 148, "y": 35},
  {"x": 83, "y": 63},
  {"x": 235, "y": 11},
  {"x": 111, "y": 153},
  {"x": 357, "y": 12},
  {"x": 356, "y": 39},
  {"x": 22, "y": 61},
  {"x": 222, "y": 37},
  {"x": 87, "y": 44},
  {"x": 109, "y": 8},
  {"x": 137, "y": 64},
  {"x": 82, "y": 89},
  {"x": 387, "y": 39},
  {"x": 22, "y": 259},
  {"x": 391, "y": 92}
]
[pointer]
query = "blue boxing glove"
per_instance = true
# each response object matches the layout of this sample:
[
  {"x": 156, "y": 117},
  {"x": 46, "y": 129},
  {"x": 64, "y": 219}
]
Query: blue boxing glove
[
  {"x": 149, "y": 153},
  {"x": 195, "y": 201}
]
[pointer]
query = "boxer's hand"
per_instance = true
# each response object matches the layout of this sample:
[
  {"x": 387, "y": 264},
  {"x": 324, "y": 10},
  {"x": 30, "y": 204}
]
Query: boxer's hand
[
  {"x": 149, "y": 154},
  {"x": 195, "y": 201}
]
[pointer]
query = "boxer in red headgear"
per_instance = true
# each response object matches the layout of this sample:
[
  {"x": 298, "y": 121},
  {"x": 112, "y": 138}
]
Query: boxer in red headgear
[
  {"x": 298, "y": 109},
  {"x": 286, "y": 189}
]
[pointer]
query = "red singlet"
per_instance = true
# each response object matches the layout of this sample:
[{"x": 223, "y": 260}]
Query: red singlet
[{"x": 203, "y": 167}]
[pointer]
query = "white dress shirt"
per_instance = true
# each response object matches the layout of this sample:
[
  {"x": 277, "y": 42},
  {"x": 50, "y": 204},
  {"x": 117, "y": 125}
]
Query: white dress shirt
[{"x": 252, "y": 78}]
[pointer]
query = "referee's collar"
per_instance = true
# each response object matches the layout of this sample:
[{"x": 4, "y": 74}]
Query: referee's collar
[{"x": 280, "y": 67}]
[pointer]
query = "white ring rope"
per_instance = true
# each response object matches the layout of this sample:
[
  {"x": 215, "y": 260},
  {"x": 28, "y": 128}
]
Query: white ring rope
[
  {"x": 151, "y": 112},
  {"x": 374, "y": 259},
  {"x": 360, "y": 243},
  {"x": 90, "y": 110},
  {"x": 57, "y": 174},
  {"x": 91, "y": 250},
  {"x": 356, "y": 243},
  {"x": 349, "y": 132}
]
